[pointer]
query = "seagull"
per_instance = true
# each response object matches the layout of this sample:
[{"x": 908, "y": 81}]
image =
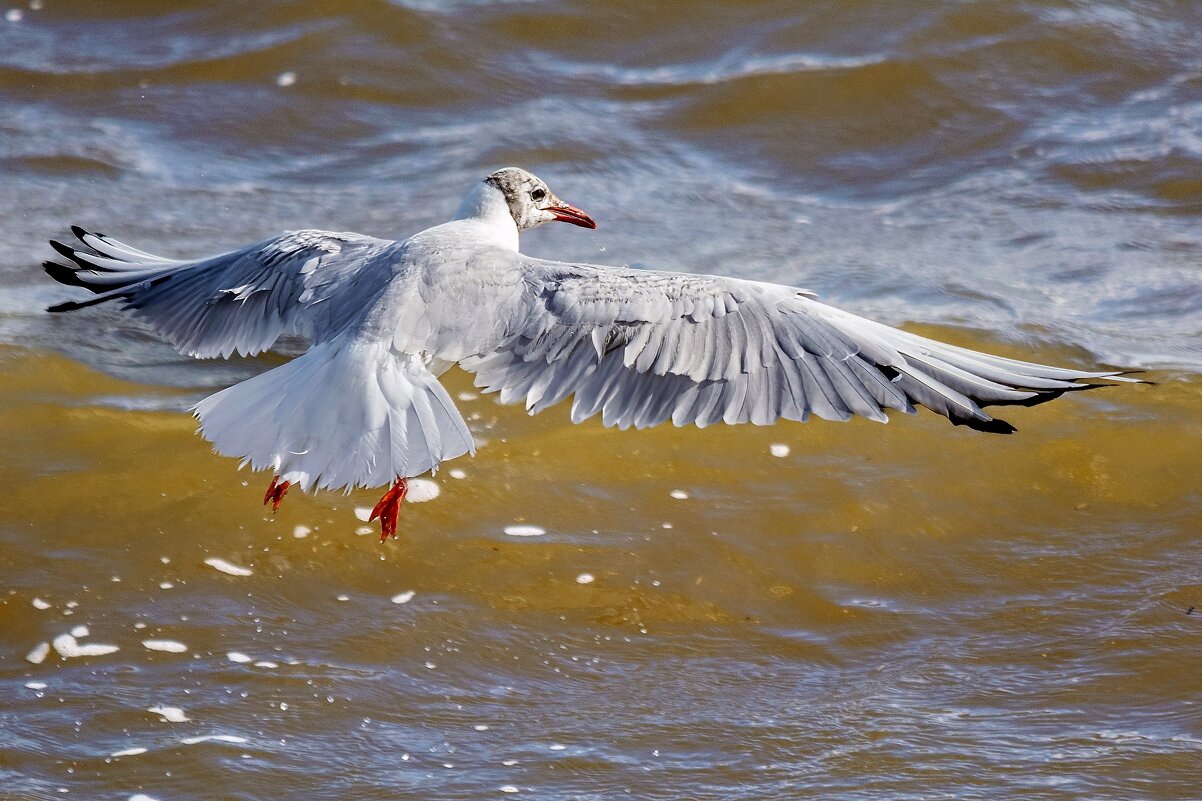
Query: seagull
[{"x": 363, "y": 406}]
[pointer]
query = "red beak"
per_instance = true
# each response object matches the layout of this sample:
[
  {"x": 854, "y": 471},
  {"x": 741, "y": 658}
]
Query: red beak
[{"x": 571, "y": 214}]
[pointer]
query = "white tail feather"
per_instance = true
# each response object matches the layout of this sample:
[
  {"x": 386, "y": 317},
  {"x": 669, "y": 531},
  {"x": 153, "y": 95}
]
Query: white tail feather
[{"x": 345, "y": 414}]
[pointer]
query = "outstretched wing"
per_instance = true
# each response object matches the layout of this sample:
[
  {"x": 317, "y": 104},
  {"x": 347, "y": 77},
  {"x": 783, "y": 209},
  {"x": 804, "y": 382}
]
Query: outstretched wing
[
  {"x": 304, "y": 282},
  {"x": 642, "y": 347}
]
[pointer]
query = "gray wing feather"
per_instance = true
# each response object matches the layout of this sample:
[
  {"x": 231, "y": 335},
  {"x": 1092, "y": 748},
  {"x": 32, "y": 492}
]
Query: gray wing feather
[
  {"x": 642, "y": 347},
  {"x": 310, "y": 283}
]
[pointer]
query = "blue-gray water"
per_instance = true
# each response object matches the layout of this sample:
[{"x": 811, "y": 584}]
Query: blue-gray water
[{"x": 909, "y": 611}]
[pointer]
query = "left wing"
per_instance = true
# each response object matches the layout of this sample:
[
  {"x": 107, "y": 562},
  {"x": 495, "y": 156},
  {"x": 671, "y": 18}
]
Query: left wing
[{"x": 641, "y": 347}]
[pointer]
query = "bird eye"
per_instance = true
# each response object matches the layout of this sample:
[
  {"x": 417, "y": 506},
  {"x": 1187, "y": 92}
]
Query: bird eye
[{"x": 538, "y": 194}]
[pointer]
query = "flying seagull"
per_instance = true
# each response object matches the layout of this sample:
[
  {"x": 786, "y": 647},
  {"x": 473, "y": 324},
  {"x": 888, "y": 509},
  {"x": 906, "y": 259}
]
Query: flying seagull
[{"x": 363, "y": 407}]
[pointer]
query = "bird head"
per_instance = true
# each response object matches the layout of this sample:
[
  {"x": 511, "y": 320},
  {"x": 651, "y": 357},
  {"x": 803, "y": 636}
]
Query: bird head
[{"x": 531, "y": 202}]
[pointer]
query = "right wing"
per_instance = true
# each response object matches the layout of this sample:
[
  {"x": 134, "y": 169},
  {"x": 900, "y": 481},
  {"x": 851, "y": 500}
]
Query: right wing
[{"x": 310, "y": 283}]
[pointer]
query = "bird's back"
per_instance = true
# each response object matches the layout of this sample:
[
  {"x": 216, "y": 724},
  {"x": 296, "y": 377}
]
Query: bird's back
[{"x": 453, "y": 291}]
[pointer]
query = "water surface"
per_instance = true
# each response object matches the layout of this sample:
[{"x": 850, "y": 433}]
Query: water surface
[{"x": 882, "y": 612}]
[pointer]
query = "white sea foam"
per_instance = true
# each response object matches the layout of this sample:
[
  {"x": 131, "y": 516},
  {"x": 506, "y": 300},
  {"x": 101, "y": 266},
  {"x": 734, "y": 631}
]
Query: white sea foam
[
  {"x": 363, "y": 513},
  {"x": 170, "y": 646},
  {"x": 80, "y": 631},
  {"x": 300, "y": 532},
  {"x": 238, "y": 656},
  {"x": 403, "y": 597},
  {"x": 171, "y": 714},
  {"x": 36, "y": 685},
  {"x": 457, "y": 474},
  {"x": 585, "y": 578},
  {"x": 679, "y": 495},
  {"x": 68, "y": 647},
  {"x": 779, "y": 450},
  {"x": 422, "y": 490},
  {"x": 525, "y": 531},
  {"x": 38, "y": 654},
  {"x": 38, "y": 603},
  {"x": 213, "y": 738},
  {"x": 128, "y": 752},
  {"x": 218, "y": 563}
]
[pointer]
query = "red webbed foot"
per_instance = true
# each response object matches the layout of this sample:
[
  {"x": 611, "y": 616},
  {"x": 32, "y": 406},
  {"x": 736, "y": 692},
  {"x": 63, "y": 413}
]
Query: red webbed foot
[
  {"x": 389, "y": 509},
  {"x": 276, "y": 492}
]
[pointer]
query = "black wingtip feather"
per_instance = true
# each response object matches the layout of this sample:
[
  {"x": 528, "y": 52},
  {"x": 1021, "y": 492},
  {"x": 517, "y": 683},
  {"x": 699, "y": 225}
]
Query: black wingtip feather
[
  {"x": 1043, "y": 396},
  {"x": 73, "y": 305},
  {"x": 86, "y": 256},
  {"x": 79, "y": 233},
  {"x": 1135, "y": 380},
  {"x": 62, "y": 273},
  {"x": 66, "y": 251}
]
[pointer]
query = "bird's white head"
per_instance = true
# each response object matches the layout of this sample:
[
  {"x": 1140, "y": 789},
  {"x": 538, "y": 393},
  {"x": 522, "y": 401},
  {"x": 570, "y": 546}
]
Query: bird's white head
[{"x": 530, "y": 202}]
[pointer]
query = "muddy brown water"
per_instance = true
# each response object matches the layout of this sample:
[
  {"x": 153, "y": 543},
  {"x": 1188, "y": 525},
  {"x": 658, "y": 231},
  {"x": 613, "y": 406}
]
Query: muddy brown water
[{"x": 799, "y": 611}]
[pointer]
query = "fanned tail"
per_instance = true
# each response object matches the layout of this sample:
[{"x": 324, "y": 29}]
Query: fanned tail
[{"x": 344, "y": 414}]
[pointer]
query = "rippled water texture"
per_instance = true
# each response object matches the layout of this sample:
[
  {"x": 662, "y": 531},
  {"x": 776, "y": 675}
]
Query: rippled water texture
[{"x": 802, "y": 611}]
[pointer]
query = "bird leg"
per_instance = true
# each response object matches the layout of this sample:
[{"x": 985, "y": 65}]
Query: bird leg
[
  {"x": 389, "y": 508},
  {"x": 276, "y": 492}
]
